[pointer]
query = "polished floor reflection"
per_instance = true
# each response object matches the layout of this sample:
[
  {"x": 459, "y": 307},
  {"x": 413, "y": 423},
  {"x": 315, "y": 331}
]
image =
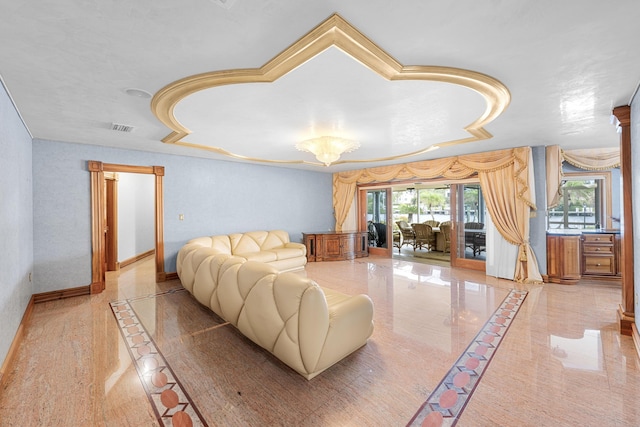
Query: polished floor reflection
[{"x": 562, "y": 361}]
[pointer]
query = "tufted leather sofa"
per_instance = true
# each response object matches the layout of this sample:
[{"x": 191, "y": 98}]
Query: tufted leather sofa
[
  {"x": 305, "y": 326},
  {"x": 271, "y": 247}
]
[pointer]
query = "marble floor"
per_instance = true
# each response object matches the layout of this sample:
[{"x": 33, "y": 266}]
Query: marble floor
[{"x": 560, "y": 362}]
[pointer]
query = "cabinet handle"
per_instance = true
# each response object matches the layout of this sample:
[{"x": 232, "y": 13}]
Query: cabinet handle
[
  {"x": 597, "y": 249},
  {"x": 597, "y": 239},
  {"x": 598, "y": 265}
]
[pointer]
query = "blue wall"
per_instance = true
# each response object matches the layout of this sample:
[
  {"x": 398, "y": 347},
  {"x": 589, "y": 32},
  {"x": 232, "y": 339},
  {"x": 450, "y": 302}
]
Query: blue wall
[
  {"x": 16, "y": 221},
  {"x": 538, "y": 224},
  {"x": 216, "y": 197}
]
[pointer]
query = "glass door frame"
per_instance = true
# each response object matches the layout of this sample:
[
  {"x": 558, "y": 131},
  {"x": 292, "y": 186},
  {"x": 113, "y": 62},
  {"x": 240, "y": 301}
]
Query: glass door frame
[
  {"x": 362, "y": 217},
  {"x": 456, "y": 222},
  {"x": 469, "y": 264}
]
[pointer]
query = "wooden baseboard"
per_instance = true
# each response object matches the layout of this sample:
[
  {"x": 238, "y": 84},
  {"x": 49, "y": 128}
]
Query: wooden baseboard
[
  {"x": 172, "y": 276},
  {"x": 636, "y": 338},
  {"x": 63, "y": 293},
  {"x": 15, "y": 344},
  {"x": 136, "y": 258},
  {"x": 626, "y": 321}
]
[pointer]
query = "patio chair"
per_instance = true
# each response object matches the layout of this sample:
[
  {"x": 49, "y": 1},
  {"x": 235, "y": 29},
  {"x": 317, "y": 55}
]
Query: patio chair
[
  {"x": 445, "y": 230},
  {"x": 408, "y": 235},
  {"x": 424, "y": 236}
]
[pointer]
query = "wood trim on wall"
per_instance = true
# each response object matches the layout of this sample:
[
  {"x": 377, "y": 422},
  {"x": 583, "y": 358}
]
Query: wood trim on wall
[
  {"x": 636, "y": 337},
  {"x": 626, "y": 315},
  {"x": 62, "y": 293},
  {"x": 171, "y": 276},
  {"x": 15, "y": 344},
  {"x": 97, "y": 170},
  {"x": 97, "y": 227},
  {"x": 160, "y": 273},
  {"x": 111, "y": 220},
  {"x": 136, "y": 258}
]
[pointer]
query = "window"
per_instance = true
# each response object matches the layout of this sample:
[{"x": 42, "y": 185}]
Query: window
[
  {"x": 421, "y": 204},
  {"x": 582, "y": 204}
]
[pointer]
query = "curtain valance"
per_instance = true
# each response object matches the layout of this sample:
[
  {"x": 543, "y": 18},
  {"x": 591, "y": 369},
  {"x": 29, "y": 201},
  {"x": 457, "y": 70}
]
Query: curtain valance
[
  {"x": 593, "y": 159},
  {"x": 504, "y": 179}
]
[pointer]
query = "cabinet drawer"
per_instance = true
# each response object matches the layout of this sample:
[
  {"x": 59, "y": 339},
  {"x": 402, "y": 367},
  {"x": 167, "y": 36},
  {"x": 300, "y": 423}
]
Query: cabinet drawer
[
  {"x": 598, "y": 249},
  {"x": 598, "y": 265},
  {"x": 598, "y": 238}
]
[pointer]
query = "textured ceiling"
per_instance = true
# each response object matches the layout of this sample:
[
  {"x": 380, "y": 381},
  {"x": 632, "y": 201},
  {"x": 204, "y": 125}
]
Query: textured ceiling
[{"x": 566, "y": 65}]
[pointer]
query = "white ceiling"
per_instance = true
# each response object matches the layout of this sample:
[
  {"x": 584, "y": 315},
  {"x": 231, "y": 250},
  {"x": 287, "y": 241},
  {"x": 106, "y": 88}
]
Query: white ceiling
[{"x": 566, "y": 64}]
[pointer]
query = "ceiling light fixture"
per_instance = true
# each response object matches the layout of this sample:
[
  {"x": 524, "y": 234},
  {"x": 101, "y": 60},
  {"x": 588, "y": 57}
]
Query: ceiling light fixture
[{"x": 328, "y": 149}]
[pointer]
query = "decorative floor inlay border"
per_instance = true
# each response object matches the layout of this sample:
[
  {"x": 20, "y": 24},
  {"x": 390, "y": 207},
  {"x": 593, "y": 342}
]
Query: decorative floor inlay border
[
  {"x": 447, "y": 401},
  {"x": 171, "y": 403}
]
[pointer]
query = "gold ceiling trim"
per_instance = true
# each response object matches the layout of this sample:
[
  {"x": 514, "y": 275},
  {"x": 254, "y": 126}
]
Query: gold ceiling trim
[{"x": 334, "y": 31}]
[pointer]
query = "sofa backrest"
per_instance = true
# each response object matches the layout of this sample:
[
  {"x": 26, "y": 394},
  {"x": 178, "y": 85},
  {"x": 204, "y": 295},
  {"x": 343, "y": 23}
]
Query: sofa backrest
[
  {"x": 256, "y": 241},
  {"x": 220, "y": 244}
]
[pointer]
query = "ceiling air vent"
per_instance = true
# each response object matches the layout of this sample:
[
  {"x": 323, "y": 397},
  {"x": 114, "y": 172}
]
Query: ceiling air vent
[
  {"x": 224, "y": 3},
  {"x": 121, "y": 128}
]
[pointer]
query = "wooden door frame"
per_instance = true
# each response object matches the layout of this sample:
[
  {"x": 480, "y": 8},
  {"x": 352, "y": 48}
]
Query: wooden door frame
[
  {"x": 111, "y": 211},
  {"x": 362, "y": 219},
  {"x": 97, "y": 171}
]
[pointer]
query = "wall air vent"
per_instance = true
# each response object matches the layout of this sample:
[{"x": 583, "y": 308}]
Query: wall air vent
[{"x": 121, "y": 128}]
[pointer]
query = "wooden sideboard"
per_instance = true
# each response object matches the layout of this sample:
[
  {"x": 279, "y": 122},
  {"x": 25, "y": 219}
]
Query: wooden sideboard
[
  {"x": 336, "y": 246},
  {"x": 589, "y": 255},
  {"x": 563, "y": 258}
]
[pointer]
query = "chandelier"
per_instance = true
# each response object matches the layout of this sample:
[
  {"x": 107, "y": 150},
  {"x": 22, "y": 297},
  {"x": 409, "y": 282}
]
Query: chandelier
[{"x": 327, "y": 149}]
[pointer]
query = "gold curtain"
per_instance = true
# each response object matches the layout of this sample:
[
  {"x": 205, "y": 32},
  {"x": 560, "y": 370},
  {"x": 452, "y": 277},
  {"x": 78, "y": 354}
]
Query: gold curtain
[
  {"x": 554, "y": 175},
  {"x": 593, "y": 159},
  {"x": 503, "y": 168},
  {"x": 503, "y": 190}
]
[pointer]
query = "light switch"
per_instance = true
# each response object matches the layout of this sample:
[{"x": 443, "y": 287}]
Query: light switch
[{"x": 181, "y": 217}]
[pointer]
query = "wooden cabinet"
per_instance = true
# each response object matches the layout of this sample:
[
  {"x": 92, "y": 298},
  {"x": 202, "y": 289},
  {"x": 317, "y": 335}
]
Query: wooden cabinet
[
  {"x": 563, "y": 258},
  {"x": 590, "y": 255},
  {"x": 599, "y": 254},
  {"x": 334, "y": 246}
]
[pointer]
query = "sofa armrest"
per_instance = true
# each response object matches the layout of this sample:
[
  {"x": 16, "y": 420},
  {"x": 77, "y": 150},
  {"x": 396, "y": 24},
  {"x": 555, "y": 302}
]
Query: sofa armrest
[
  {"x": 350, "y": 325},
  {"x": 295, "y": 245}
]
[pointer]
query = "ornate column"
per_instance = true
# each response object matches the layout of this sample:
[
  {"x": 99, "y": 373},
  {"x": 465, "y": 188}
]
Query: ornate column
[{"x": 626, "y": 315}]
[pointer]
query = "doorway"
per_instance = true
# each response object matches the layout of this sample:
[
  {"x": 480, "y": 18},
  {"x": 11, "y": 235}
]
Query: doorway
[
  {"x": 375, "y": 218},
  {"x": 99, "y": 225},
  {"x": 458, "y": 206}
]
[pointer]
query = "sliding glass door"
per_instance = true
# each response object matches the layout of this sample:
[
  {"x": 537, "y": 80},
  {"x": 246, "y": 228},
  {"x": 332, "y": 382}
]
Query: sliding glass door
[
  {"x": 469, "y": 211},
  {"x": 376, "y": 204}
]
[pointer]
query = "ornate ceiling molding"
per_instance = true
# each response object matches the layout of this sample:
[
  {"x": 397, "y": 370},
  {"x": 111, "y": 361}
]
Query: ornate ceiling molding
[{"x": 334, "y": 31}]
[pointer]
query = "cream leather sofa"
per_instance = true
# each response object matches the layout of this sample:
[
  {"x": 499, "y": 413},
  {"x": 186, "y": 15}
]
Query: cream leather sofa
[
  {"x": 271, "y": 247},
  {"x": 305, "y": 326}
]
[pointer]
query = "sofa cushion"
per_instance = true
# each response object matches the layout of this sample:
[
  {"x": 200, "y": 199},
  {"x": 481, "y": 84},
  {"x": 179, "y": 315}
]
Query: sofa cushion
[
  {"x": 255, "y": 241},
  {"x": 286, "y": 253},
  {"x": 261, "y": 256}
]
